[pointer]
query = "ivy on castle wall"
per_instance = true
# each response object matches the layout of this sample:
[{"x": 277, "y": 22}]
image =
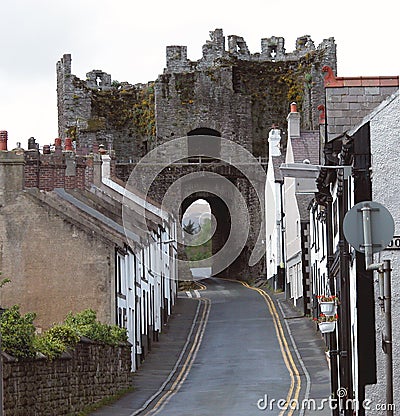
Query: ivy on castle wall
[
  {"x": 272, "y": 86},
  {"x": 124, "y": 109},
  {"x": 144, "y": 117},
  {"x": 184, "y": 86}
]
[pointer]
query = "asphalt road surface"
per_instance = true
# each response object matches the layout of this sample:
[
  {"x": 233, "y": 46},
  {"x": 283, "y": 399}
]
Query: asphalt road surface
[{"x": 241, "y": 363}]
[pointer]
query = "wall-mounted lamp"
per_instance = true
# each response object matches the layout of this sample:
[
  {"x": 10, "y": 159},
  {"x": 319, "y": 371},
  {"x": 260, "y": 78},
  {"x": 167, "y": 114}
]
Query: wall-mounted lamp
[{"x": 307, "y": 170}]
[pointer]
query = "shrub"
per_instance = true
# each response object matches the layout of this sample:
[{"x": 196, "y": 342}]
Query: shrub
[
  {"x": 86, "y": 325},
  {"x": 20, "y": 341},
  {"x": 18, "y": 333},
  {"x": 56, "y": 340}
]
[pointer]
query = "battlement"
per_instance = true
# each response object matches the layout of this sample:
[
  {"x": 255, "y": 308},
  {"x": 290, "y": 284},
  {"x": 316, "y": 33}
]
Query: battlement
[
  {"x": 97, "y": 79},
  {"x": 272, "y": 50}
]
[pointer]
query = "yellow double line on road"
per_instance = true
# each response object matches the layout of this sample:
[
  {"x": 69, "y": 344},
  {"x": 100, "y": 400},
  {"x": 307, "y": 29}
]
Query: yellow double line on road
[
  {"x": 181, "y": 377},
  {"x": 295, "y": 384},
  {"x": 295, "y": 380}
]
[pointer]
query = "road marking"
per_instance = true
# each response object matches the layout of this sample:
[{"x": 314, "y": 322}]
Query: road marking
[
  {"x": 201, "y": 286},
  {"x": 189, "y": 294},
  {"x": 197, "y": 293},
  {"x": 286, "y": 354},
  {"x": 180, "y": 379},
  {"x": 285, "y": 350},
  {"x": 307, "y": 374},
  {"x": 177, "y": 364}
]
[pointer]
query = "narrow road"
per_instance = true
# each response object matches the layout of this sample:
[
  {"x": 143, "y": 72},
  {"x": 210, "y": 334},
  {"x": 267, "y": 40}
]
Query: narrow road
[{"x": 239, "y": 359}]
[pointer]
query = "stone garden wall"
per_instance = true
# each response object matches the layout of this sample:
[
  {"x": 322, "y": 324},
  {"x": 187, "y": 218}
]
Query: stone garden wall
[{"x": 67, "y": 384}]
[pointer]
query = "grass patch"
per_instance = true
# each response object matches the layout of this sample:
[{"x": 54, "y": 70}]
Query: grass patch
[{"x": 104, "y": 402}]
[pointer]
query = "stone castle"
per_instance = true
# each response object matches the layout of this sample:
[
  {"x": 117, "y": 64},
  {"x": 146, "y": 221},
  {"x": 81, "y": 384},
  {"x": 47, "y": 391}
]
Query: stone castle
[{"x": 229, "y": 93}]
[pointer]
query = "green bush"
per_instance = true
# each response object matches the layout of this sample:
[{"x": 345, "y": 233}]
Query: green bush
[
  {"x": 20, "y": 341},
  {"x": 86, "y": 325},
  {"x": 56, "y": 340},
  {"x": 18, "y": 333}
]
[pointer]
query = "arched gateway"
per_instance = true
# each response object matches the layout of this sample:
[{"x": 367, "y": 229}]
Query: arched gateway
[{"x": 229, "y": 94}]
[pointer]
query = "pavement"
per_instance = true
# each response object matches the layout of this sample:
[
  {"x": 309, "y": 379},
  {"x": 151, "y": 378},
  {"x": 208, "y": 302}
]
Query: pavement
[
  {"x": 309, "y": 348},
  {"x": 166, "y": 359},
  {"x": 163, "y": 362}
]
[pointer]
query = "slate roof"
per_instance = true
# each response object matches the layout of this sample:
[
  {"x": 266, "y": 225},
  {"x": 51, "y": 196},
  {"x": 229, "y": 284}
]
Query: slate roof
[
  {"x": 276, "y": 163},
  {"x": 305, "y": 147}
]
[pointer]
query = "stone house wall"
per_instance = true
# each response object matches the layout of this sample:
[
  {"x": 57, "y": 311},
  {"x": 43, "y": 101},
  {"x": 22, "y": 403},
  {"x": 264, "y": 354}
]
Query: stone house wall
[{"x": 51, "y": 251}]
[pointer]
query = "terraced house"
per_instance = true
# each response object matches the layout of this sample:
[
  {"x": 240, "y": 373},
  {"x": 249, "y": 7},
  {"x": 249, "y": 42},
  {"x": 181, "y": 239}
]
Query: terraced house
[{"x": 73, "y": 237}]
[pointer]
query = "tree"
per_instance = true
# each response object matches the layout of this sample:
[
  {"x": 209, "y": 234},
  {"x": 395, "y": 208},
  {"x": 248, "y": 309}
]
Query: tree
[
  {"x": 201, "y": 246},
  {"x": 190, "y": 228}
]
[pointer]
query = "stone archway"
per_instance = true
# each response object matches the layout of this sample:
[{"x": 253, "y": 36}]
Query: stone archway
[
  {"x": 201, "y": 139},
  {"x": 220, "y": 211}
]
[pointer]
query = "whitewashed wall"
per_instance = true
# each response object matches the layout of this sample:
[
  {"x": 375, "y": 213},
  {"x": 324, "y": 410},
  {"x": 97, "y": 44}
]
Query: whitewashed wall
[
  {"x": 292, "y": 234},
  {"x": 385, "y": 150},
  {"x": 146, "y": 274}
]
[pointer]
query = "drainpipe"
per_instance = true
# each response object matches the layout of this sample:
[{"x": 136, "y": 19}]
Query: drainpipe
[
  {"x": 282, "y": 266},
  {"x": 345, "y": 353},
  {"x": 332, "y": 339}
]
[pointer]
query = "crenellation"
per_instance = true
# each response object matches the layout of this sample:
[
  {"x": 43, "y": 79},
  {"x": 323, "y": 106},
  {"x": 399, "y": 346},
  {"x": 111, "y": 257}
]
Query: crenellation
[
  {"x": 238, "y": 47},
  {"x": 273, "y": 48},
  {"x": 98, "y": 80},
  {"x": 177, "y": 58},
  {"x": 304, "y": 44},
  {"x": 214, "y": 48}
]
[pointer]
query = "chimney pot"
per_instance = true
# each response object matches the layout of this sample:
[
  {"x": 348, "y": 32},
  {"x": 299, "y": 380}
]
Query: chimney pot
[
  {"x": 57, "y": 142},
  {"x": 293, "y": 107},
  {"x": 46, "y": 149},
  {"x": 68, "y": 145},
  {"x": 3, "y": 139}
]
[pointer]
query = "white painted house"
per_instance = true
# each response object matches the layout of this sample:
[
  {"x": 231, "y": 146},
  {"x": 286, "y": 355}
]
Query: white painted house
[
  {"x": 302, "y": 147},
  {"x": 274, "y": 214},
  {"x": 363, "y": 127},
  {"x": 383, "y": 125},
  {"x": 146, "y": 281}
]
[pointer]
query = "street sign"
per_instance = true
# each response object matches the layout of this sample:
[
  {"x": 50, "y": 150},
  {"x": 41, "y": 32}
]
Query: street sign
[
  {"x": 381, "y": 223},
  {"x": 394, "y": 244}
]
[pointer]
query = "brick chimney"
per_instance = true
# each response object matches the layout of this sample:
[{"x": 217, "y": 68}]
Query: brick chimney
[
  {"x": 293, "y": 120},
  {"x": 68, "y": 145},
  {"x": 3, "y": 139}
]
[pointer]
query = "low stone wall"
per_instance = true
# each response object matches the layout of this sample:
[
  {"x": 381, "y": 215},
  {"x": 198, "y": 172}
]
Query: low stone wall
[{"x": 68, "y": 384}]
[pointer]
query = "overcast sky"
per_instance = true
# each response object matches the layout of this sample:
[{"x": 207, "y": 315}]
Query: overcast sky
[{"x": 127, "y": 39}]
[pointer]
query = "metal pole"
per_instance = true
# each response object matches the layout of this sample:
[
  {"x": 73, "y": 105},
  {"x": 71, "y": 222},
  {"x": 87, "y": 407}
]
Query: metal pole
[
  {"x": 366, "y": 215},
  {"x": 387, "y": 340},
  {"x": 385, "y": 286}
]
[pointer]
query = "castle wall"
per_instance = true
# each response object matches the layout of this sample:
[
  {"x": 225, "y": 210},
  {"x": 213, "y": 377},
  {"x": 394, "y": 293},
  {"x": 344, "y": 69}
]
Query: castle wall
[
  {"x": 101, "y": 111},
  {"x": 230, "y": 90},
  {"x": 240, "y": 94}
]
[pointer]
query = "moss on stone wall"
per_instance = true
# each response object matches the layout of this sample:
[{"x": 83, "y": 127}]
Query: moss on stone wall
[
  {"x": 144, "y": 112},
  {"x": 96, "y": 124},
  {"x": 127, "y": 112},
  {"x": 272, "y": 86},
  {"x": 184, "y": 85}
]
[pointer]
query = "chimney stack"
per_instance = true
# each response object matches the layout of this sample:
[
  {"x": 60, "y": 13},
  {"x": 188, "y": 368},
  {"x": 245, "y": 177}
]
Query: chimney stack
[
  {"x": 274, "y": 140},
  {"x": 3, "y": 139},
  {"x": 68, "y": 145},
  {"x": 32, "y": 145},
  {"x": 293, "y": 120}
]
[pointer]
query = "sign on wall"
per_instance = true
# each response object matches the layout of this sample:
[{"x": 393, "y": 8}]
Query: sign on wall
[{"x": 394, "y": 244}]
